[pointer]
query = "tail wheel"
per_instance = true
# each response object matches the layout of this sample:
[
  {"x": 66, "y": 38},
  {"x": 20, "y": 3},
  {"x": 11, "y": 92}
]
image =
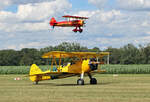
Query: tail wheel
[
  {"x": 80, "y": 82},
  {"x": 93, "y": 81}
]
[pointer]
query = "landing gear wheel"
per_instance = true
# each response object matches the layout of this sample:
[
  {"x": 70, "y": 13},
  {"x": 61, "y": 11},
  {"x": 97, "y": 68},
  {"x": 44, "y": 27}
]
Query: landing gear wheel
[
  {"x": 80, "y": 82},
  {"x": 75, "y": 30},
  {"x": 93, "y": 81},
  {"x": 36, "y": 82},
  {"x": 80, "y": 30}
]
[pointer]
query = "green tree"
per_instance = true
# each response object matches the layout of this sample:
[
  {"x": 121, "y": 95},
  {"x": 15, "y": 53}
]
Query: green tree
[
  {"x": 115, "y": 55},
  {"x": 9, "y": 57},
  {"x": 147, "y": 54},
  {"x": 129, "y": 54},
  {"x": 30, "y": 56}
]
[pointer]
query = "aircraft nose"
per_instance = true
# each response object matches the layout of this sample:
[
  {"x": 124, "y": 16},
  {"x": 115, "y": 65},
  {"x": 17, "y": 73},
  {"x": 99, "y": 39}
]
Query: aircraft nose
[{"x": 82, "y": 22}]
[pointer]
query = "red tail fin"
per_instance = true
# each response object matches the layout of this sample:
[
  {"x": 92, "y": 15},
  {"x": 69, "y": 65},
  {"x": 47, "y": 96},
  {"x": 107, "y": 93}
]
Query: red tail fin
[{"x": 53, "y": 21}]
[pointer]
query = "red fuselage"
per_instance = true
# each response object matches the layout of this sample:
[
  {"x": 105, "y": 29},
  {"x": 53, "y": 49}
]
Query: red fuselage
[{"x": 73, "y": 23}]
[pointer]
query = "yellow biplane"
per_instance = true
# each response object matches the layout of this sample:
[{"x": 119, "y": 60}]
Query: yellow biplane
[{"x": 81, "y": 63}]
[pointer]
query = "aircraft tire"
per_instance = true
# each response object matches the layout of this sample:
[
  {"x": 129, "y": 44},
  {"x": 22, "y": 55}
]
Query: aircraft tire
[
  {"x": 93, "y": 81},
  {"x": 80, "y": 82},
  {"x": 75, "y": 30},
  {"x": 81, "y": 30},
  {"x": 36, "y": 82}
]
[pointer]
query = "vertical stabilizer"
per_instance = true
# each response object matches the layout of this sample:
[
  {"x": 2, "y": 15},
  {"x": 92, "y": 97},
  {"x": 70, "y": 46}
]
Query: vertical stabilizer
[
  {"x": 34, "y": 69},
  {"x": 52, "y": 21}
]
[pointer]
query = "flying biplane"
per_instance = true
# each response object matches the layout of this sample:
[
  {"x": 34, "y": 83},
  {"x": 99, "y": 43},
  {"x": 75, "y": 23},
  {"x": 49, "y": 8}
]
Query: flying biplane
[
  {"x": 73, "y": 21},
  {"x": 82, "y": 63}
]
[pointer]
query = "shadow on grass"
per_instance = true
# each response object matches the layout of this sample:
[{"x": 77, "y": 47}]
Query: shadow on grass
[
  {"x": 86, "y": 84},
  {"x": 55, "y": 84}
]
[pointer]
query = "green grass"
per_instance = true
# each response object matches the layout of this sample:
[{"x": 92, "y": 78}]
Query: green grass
[
  {"x": 121, "y": 88},
  {"x": 18, "y": 69},
  {"x": 110, "y": 69},
  {"x": 127, "y": 69}
]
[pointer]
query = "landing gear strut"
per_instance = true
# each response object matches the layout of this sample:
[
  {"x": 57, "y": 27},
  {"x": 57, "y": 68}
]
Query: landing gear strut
[
  {"x": 92, "y": 80},
  {"x": 76, "y": 29},
  {"x": 36, "y": 82},
  {"x": 80, "y": 81}
]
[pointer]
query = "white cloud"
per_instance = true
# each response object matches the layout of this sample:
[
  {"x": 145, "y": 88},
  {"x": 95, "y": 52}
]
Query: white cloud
[
  {"x": 116, "y": 28},
  {"x": 32, "y": 17},
  {"x": 28, "y": 1},
  {"x": 98, "y": 3},
  {"x": 43, "y": 10},
  {"x": 30, "y": 45},
  {"x": 29, "y": 26},
  {"x": 11, "y": 47},
  {"x": 134, "y": 4},
  {"x": 145, "y": 24},
  {"x": 25, "y": 45},
  {"x": 100, "y": 20},
  {"x": 101, "y": 15},
  {"x": 5, "y": 3}
]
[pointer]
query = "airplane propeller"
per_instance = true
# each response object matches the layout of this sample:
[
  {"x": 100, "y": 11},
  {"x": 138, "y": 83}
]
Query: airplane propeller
[{"x": 84, "y": 24}]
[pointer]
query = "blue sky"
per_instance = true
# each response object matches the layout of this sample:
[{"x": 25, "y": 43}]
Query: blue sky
[
  {"x": 11, "y": 8},
  {"x": 76, "y": 6},
  {"x": 24, "y": 24},
  {"x": 81, "y": 5}
]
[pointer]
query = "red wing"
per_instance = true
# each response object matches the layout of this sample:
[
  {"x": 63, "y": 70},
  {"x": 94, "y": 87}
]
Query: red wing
[{"x": 77, "y": 17}]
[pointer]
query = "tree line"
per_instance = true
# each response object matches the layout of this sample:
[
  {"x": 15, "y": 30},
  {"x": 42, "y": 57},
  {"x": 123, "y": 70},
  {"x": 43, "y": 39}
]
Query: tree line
[{"x": 128, "y": 54}]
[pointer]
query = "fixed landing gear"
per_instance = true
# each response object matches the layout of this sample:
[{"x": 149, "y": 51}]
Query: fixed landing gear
[
  {"x": 35, "y": 83},
  {"x": 77, "y": 30},
  {"x": 80, "y": 82},
  {"x": 80, "y": 30},
  {"x": 93, "y": 81}
]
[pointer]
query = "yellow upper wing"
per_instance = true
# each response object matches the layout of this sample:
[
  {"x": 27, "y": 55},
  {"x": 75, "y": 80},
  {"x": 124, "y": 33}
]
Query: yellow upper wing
[{"x": 62, "y": 54}]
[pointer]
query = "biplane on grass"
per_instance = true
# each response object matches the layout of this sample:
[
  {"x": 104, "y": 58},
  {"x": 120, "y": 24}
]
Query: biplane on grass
[
  {"x": 72, "y": 21},
  {"x": 80, "y": 64}
]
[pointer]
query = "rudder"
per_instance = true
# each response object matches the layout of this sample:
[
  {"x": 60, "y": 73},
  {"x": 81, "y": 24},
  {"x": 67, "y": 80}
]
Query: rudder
[
  {"x": 34, "y": 69},
  {"x": 52, "y": 21}
]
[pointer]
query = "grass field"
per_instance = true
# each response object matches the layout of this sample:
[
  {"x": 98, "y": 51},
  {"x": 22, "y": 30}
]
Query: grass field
[
  {"x": 121, "y": 88},
  {"x": 110, "y": 69}
]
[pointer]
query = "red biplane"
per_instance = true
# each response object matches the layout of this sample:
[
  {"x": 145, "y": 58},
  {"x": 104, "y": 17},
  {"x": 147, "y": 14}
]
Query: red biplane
[{"x": 73, "y": 21}]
